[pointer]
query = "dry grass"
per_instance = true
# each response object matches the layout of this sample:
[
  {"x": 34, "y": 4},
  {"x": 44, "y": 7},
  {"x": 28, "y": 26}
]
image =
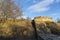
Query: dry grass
[{"x": 17, "y": 27}]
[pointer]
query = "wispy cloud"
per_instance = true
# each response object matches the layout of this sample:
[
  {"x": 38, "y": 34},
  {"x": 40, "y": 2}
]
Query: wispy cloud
[
  {"x": 57, "y": 1},
  {"x": 34, "y": 1},
  {"x": 41, "y": 6},
  {"x": 54, "y": 14}
]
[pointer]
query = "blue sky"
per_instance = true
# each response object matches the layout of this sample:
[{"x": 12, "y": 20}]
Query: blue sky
[{"x": 32, "y": 8}]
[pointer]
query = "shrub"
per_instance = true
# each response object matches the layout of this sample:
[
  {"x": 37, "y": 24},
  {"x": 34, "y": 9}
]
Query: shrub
[
  {"x": 55, "y": 29},
  {"x": 42, "y": 28}
]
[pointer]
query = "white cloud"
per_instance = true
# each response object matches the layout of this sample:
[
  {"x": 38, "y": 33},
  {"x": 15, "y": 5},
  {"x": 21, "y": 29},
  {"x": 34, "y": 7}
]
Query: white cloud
[
  {"x": 22, "y": 17},
  {"x": 54, "y": 14},
  {"x": 41, "y": 6},
  {"x": 39, "y": 9}
]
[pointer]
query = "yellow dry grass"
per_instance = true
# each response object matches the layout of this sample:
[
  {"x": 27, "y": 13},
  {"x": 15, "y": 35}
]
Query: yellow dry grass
[{"x": 22, "y": 28}]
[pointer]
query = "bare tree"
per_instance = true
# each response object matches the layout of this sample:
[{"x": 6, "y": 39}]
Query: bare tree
[{"x": 10, "y": 9}]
